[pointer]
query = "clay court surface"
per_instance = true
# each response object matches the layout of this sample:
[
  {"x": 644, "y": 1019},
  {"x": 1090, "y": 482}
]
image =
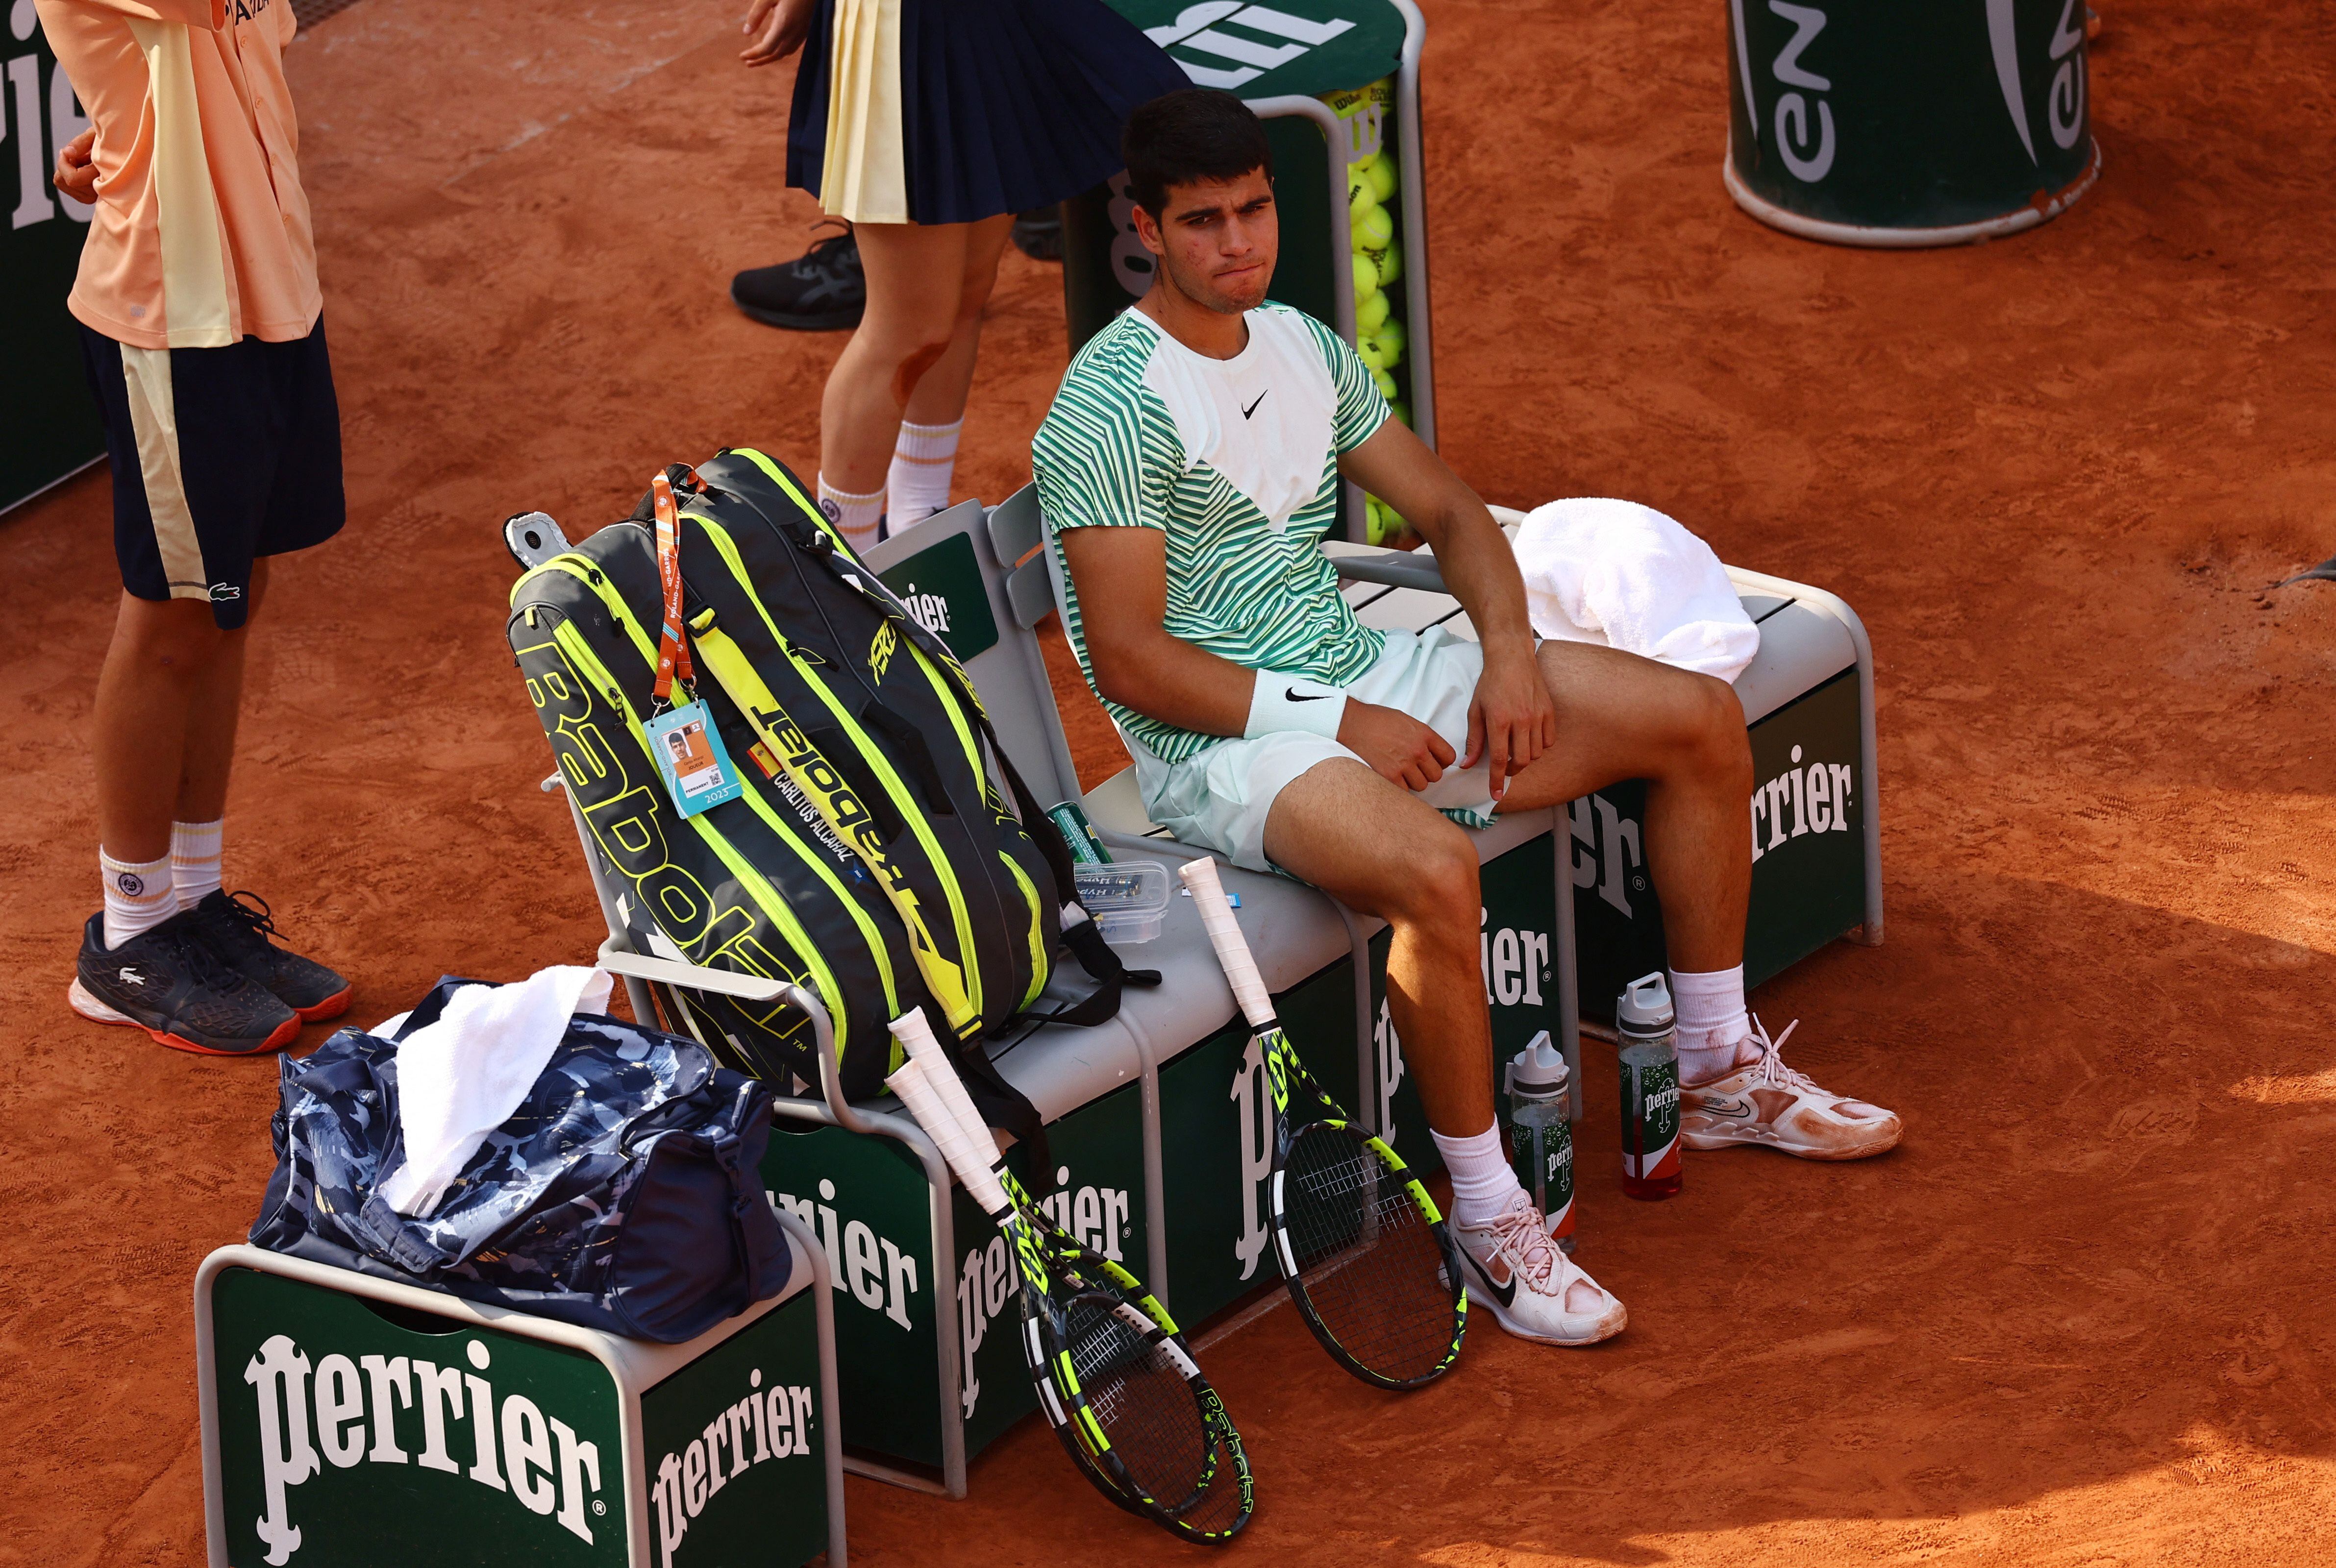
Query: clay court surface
[{"x": 2084, "y": 1316}]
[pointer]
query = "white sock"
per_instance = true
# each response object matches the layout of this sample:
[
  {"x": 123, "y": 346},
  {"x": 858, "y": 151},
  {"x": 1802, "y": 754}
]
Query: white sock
[
  {"x": 138, "y": 896},
  {"x": 195, "y": 860},
  {"x": 854, "y": 516},
  {"x": 1712, "y": 1021},
  {"x": 1484, "y": 1183},
  {"x": 923, "y": 460}
]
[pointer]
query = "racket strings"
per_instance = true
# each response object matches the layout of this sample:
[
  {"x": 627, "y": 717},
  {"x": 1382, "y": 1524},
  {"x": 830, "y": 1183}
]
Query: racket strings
[
  {"x": 1137, "y": 1392},
  {"x": 1366, "y": 1257}
]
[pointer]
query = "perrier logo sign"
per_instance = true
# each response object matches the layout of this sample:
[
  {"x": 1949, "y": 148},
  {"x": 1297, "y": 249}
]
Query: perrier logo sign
[{"x": 368, "y": 1411}]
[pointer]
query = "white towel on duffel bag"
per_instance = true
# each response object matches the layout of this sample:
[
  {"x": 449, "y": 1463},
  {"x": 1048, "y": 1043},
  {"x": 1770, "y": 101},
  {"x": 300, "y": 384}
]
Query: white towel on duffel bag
[
  {"x": 1599, "y": 570},
  {"x": 464, "y": 1075}
]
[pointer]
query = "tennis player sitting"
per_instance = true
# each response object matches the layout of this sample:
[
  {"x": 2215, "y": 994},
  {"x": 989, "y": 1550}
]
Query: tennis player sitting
[{"x": 1189, "y": 468}]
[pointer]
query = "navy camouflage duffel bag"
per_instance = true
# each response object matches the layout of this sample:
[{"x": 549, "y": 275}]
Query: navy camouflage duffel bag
[{"x": 625, "y": 1194}]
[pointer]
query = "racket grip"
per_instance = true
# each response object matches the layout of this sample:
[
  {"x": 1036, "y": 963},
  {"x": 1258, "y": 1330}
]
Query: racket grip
[
  {"x": 916, "y": 1092},
  {"x": 916, "y": 1036},
  {"x": 1226, "y": 936}
]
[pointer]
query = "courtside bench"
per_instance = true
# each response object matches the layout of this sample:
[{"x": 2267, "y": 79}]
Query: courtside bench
[
  {"x": 352, "y": 1422},
  {"x": 929, "y": 1376}
]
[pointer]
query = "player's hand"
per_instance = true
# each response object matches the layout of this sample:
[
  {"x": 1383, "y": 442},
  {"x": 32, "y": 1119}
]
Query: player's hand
[
  {"x": 774, "y": 29},
  {"x": 1511, "y": 719},
  {"x": 76, "y": 172},
  {"x": 1398, "y": 748}
]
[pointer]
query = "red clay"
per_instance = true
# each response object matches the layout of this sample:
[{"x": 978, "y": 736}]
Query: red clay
[{"x": 2082, "y": 1317}]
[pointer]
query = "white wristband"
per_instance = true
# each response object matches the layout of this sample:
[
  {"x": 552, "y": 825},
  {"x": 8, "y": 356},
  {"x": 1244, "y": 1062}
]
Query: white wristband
[{"x": 1277, "y": 703}]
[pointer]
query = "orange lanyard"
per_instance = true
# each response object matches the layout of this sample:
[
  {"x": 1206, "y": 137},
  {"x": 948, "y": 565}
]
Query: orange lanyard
[{"x": 672, "y": 647}]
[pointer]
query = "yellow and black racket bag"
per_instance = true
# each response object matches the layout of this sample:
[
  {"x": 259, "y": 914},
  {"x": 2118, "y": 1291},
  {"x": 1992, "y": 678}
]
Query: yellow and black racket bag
[{"x": 871, "y": 857}]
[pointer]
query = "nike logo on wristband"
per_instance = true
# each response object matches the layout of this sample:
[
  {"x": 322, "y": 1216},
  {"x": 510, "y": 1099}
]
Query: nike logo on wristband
[
  {"x": 1295, "y": 695},
  {"x": 1253, "y": 408}
]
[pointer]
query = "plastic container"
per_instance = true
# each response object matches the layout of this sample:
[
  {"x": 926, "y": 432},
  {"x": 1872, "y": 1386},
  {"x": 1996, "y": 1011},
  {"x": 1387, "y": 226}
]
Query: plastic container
[
  {"x": 1647, "y": 1033},
  {"x": 1541, "y": 1137},
  {"x": 1128, "y": 898}
]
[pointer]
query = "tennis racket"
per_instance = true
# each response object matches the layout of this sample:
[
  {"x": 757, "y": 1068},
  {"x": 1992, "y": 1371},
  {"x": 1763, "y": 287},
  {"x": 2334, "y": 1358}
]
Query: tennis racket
[
  {"x": 1368, "y": 1260},
  {"x": 1112, "y": 1374}
]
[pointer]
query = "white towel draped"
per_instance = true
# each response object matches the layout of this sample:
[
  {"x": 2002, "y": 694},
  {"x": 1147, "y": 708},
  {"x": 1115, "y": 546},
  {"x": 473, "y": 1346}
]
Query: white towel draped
[{"x": 1613, "y": 572}]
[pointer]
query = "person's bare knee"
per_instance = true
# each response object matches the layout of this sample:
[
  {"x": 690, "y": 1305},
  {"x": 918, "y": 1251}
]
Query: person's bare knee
[
  {"x": 1720, "y": 744},
  {"x": 172, "y": 639}
]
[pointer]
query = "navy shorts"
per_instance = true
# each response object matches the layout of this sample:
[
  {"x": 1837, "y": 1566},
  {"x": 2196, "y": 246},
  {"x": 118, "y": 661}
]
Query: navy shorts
[{"x": 220, "y": 456}]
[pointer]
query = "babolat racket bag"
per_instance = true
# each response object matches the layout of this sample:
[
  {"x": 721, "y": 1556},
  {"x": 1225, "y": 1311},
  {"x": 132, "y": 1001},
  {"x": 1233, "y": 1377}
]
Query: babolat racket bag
[
  {"x": 623, "y": 1194},
  {"x": 867, "y": 854}
]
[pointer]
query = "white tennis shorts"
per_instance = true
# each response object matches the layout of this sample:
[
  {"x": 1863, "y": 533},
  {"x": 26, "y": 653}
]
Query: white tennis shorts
[{"x": 1218, "y": 799}]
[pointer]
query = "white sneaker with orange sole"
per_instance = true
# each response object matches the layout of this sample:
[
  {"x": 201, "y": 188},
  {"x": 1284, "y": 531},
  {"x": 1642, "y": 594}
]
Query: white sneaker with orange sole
[{"x": 1767, "y": 1105}]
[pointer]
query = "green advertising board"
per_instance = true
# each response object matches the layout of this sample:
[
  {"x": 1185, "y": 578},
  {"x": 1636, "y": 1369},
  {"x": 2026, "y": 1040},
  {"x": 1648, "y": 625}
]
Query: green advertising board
[
  {"x": 1879, "y": 122},
  {"x": 49, "y": 425},
  {"x": 346, "y": 1429}
]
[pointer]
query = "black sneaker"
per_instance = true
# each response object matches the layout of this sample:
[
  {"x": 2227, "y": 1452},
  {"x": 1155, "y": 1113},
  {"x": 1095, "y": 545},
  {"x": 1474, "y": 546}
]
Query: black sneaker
[
  {"x": 238, "y": 927},
  {"x": 822, "y": 290},
  {"x": 170, "y": 982},
  {"x": 1038, "y": 233}
]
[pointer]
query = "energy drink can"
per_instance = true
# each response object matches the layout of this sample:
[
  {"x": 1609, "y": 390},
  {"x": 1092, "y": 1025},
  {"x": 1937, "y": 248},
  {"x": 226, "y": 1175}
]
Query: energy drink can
[{"x": 1087, "y": 847}]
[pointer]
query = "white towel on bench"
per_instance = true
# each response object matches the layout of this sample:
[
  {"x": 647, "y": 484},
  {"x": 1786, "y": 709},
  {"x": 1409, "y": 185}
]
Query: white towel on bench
[{"x": 1598, "y": 570}]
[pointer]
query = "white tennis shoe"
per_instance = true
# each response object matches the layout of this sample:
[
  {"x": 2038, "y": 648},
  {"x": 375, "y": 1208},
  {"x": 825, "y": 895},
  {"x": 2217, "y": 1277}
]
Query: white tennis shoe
[
  {"x": 1769, "y": 1105},
  {"x": 1535, "y": 1292}
]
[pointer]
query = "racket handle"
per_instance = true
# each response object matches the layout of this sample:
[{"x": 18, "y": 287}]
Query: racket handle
[
  {"x": 916, "y": 1036},
  {"x": 1226, "y": 936},
  {"x": 916, "y": 1092}
]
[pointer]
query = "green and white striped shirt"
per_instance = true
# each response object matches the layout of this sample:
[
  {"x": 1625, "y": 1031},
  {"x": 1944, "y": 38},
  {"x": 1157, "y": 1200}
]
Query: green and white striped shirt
[{"x": 1236, "y": 462}]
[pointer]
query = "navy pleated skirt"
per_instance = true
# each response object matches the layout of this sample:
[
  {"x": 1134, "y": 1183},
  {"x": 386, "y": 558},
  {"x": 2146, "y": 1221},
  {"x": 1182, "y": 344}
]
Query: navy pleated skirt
[{"x": 949, "y": 111}]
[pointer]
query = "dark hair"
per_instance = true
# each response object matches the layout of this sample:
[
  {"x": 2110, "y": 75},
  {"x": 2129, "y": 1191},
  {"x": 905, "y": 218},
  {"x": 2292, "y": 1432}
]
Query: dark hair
[{"x": 1187, "y": 135}]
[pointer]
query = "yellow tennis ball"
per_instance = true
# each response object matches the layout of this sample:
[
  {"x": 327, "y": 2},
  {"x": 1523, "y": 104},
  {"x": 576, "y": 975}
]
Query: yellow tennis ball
[
  {"x": 1381, "y": 172},
  {"x": 1390, "y": 338},
  {"x": 1402, "y": 410},
  {"x": 1371, "y": 313},
  {"x": 1387, "y": 262},
  {"x": 1384, "y": 383},
  {"x": 1367, "y": 275},
  {"x": 1367, "y": 349},
  {"x": 1360, "y": 197},
  {"x": 1373, "y": 227}
]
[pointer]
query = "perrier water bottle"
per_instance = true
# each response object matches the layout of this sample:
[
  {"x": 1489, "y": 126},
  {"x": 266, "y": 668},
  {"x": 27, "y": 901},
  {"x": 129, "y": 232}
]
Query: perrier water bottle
[{"x": 1648, "y": 1036}]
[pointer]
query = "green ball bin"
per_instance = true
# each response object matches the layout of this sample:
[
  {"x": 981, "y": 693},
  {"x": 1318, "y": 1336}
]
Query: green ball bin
[{"x": 1879, "y": 122}]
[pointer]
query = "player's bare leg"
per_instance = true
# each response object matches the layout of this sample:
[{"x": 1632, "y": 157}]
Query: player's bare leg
[{"x": 1378, "y": 848}]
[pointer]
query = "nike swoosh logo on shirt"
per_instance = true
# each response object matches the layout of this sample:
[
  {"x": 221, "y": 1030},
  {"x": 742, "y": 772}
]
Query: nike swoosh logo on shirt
[
  {"x": 1295, "y": 695},
  {"x": 1253, "y": 408}
]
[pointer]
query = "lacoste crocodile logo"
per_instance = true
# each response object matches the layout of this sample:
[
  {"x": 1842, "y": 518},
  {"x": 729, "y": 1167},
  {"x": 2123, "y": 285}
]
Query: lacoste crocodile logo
[{"x": 131, "y": 977}]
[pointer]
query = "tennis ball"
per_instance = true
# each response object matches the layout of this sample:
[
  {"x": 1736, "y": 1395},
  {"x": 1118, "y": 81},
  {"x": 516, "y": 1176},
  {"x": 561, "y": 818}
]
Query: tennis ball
[
  {"x": 1402, "y": 410},
  {"x": 1387, "y": 262},
  {"x": 1371, "y": 313},
  {"x": 1374, "y": 521},
  {"x": 1373, "y": 227},
  {"x": 1367, "y": 275},
  {"x": 1367, "y": 349},
  {"x": 1380, "y": 169},
  {"x": 1390, "y": 338},
  {"x": 1384, "y": 383},
  {"x": 1360, "y": 197}
]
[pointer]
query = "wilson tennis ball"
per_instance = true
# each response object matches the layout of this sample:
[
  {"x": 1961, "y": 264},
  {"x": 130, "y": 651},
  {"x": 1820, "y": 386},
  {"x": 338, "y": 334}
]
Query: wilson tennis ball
[
  {"x": 1367, "y": 349},
  {"x": 1390, "y": 338},
  {"x": 1367, "y": 275},
  {"x": 1371, "y": 312},
  {"x": 1377, "y": 529},
  {"x": 1380, "y": 169},
  {"x": 1373, "y": 229},
  {"x": 1387, "y": 262},
  {"x": 1359, "y": 198},
  {"x": 1384, "y": 383}
]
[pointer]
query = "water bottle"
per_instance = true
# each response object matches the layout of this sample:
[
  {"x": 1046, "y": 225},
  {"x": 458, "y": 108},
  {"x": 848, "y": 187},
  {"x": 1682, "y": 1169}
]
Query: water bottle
[
  {"x": 1540, "y": 1134},
  {"x": 1648, "y": 1036}
]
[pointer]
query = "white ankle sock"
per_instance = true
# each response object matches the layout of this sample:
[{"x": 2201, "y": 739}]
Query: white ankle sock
[
  {"x": 1483, "y": 1180},
  {"x": 138, "y": 896},
  {"x": 854, "y": 516},
  {"x": 195, "y": 860},
  {"x": 1712, "y": 1020},
  {"x": 923, "y": 460}
]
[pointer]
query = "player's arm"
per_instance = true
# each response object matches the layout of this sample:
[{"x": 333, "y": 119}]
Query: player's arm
[
  {"x": 1121, "y": 577},
  {"x": 1512, "y": 721}
]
